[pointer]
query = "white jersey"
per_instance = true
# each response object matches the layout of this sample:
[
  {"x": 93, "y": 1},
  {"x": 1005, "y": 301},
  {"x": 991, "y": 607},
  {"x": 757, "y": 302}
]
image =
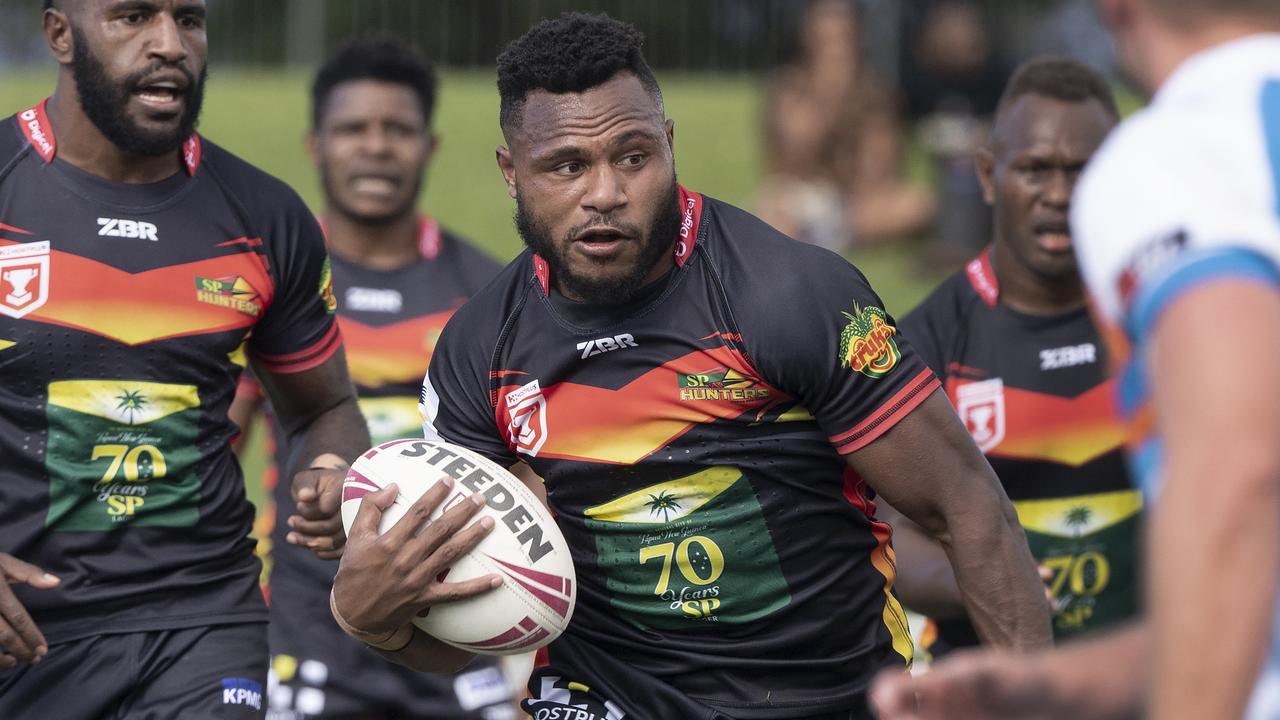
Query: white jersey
[{"x": 1186, "y": 191}]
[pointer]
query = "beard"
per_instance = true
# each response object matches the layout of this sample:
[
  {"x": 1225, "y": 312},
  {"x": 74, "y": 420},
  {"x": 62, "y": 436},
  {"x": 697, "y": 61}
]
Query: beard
[
  {"x": 606, "y": 290},
  {"x": 105, "y": 102}
]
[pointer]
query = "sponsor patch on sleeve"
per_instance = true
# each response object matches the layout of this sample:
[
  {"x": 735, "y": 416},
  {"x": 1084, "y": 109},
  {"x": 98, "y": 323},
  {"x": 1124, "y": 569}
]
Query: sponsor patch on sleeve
[
  {"x": 866, "y": 343},
  {"x": 326, "y": 288}
]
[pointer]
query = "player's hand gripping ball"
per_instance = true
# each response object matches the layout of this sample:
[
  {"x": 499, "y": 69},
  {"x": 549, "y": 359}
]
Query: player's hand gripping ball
[{"x": 536, "y": 599}]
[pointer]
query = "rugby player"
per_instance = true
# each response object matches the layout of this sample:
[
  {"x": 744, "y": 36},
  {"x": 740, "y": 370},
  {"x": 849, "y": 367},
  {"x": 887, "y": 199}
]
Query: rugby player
[
  {"x": 1011, "y": 339},
  {"x": 1178, "y": 228},
  {"x": 141, "y": 268},
  {"x": 711, "y": 404},
  {"x": 398, "y": 276}
]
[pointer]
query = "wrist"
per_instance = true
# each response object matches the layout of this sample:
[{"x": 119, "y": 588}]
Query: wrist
[{"x": 393, "y": 640}]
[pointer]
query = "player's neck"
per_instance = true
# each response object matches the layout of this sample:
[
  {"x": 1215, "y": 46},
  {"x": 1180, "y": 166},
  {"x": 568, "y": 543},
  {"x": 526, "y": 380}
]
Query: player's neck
[
  {"x": 1030, "y": 294},
  {"x": 380, "y": 246},
  {"x": 83, "y": 145}
]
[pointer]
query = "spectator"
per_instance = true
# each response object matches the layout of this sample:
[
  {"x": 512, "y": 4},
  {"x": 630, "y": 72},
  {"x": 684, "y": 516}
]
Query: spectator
[{"x": 833, "y": 142}]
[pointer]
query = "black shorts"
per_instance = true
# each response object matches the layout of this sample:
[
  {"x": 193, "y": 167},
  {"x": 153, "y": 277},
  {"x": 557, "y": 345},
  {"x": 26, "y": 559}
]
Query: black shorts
[
  {"x": 318, "y": 673},
  {"x": 194, "y": 673}
]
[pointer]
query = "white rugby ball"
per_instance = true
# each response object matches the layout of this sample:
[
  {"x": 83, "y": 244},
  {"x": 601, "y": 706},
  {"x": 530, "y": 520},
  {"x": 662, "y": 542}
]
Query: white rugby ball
[{"x": 525, "y": 548}]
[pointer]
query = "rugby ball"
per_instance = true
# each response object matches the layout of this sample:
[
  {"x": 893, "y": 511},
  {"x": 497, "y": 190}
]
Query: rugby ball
[{"x": 525, "y": 548}]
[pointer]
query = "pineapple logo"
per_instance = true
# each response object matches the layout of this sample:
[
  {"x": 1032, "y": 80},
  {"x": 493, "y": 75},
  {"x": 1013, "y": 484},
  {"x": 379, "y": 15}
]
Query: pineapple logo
[
  {"x": 131, "y": 403},
  {"x": 866, "y": 343},
  {"x": 663, "y": 503},
  {"x": 1078, "y": 517}
]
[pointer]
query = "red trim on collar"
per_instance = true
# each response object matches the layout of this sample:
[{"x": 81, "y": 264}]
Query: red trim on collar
[
  {"x": 983, "y": 278},
  {"x": 35, "y": 125},
  {"x": 429, "y": 240},
  {"x": 691, "y": 218},
  {"x": 39, "y": 131}
]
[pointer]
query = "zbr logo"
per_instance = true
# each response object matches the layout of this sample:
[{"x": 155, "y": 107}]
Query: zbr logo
[
  {"x": 24, "y": 278},
  {"x": 866, "y": 343},
  {"x": 117, "y": 227},
  {"x": 981, "y": 406},
  {"x": 527, "y": 419},
  {"x": 242, "y": 691}
]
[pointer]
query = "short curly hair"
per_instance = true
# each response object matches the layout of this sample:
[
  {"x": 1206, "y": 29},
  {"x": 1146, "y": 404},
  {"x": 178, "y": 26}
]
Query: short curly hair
[
  {"x": 571, "y": 53},
  {"x": 1060, "y": 78},
  {"x": 375, "y": 58}
]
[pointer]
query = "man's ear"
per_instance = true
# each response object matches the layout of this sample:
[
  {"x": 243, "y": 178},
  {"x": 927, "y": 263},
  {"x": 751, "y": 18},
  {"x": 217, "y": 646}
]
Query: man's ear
[
  {"x": 57, "y": 34},
  {"x": 984, "y": 161},
  {"x": 508, "y": 168}
]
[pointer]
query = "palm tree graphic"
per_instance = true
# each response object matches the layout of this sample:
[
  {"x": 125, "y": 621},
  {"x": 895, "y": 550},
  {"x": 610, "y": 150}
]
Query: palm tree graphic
[
  {"x": 1078, "y": 517},
  {"x": 663, "y": 503},
  {"x": 131, "y": 403}
]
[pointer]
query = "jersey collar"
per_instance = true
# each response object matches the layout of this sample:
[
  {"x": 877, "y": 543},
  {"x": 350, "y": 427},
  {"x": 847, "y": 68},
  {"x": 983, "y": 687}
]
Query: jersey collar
[
  {"x": 429, "y": 237},
  {"x": 983, "y": 278},
  {"x": 39, "y": 131},
  {"x": 690, "y": 219}
]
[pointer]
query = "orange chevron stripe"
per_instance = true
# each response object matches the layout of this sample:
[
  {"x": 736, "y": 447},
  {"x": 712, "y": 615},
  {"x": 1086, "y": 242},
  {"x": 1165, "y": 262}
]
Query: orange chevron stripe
[
  {"x": 393, "y": 353},
  {"x": 1068, "y": 431},
  {"x": 623, "y": 426},
  {"x": 137, "y": 308}
]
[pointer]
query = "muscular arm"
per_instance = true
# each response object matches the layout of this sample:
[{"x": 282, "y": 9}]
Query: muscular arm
[
  {"x": 317, "y": 410},
  {"x": 1217, "y": 407},
  {"x": 928, "y": 468}
]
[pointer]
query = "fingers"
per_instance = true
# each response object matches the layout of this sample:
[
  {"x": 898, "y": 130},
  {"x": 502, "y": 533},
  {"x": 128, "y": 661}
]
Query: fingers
[
  {"x": 450, "y": 592},
  {"x": 19, "y": 635},
  {"x": 444, "y": 530},
  {"x": 416, "y": 516},
  {"x": 16, "y": 570},
  {"x": 893, "y": 697},
  {"x": 371, "y": 509},
  {"x": 328, "y": 526}
]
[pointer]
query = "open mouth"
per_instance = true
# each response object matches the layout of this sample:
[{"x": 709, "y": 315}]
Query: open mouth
[
  {"x": 374, "y": 185},
  {"x": 601, "y": 241},
  {"x": 1054, "y": 236},
  {"x": 164, "y": 95}
]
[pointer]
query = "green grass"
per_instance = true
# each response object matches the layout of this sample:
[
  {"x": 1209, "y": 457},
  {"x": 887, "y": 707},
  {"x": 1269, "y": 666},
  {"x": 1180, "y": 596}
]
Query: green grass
[{"x": 263, "y": 117}]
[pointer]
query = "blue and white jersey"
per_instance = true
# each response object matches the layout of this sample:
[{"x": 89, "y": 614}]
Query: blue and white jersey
[{"x": 1185, "y": 192}]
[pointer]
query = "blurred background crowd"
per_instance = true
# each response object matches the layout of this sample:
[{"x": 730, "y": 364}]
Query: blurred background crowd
[{"x": 846, "y": 123}]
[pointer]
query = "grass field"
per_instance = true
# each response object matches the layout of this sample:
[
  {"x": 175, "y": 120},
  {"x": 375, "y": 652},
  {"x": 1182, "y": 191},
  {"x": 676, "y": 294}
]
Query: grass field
[{"x": 263, "y": 117}]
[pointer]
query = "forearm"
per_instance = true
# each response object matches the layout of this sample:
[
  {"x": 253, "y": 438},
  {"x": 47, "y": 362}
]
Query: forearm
[
  {"x": 998, "y": 581},
  {"x": 1103, "y": 678},
  {"x": 339, "y": 430},
  {"x": 1208, "y": 542}
]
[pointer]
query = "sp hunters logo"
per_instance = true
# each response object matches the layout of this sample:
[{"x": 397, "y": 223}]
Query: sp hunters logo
[
  {"x": 527, "y": 419},
  {"x": 231, "y": 291},
  {"x": 981, "y": 406},
  {"x": 326, "y": 288},
  {"x": 866, "y": 343},
  {"x": 721, "y": 384},
  {"x": 24, "y": 278}
]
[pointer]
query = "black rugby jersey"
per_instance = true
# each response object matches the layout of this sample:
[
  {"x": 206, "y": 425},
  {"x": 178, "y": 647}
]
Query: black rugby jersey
[
  {"x": 390, "y": 322},
  {"x": 126, "y": 316},
  {"x": 1035, "y": 394},
  {"x": 727, "y": 557}
]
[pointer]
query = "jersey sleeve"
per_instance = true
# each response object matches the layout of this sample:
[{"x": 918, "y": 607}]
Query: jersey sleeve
[
  {"x": 1148, "y": 238},
  {"x": 833, "y": 347},
  {"x": 455, "y": 403},
  {"x": 297, "y": 330}
]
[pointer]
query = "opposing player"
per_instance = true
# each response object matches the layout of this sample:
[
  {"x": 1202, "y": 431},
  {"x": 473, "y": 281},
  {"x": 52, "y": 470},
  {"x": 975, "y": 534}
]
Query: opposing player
[
  {"x": 711, "y": 404},
  {"x": 1012, "y": 341},
  {"x": 398, "y": 276},
  {"x": 141, "y": 268},
  {"x": 1178, "y": 228}
]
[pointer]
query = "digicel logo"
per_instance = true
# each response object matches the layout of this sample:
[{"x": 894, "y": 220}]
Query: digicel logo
[{"x": 36, "y": 132}]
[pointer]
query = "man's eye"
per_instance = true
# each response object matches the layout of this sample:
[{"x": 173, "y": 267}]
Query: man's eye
[
  {"x": 570, "y": 168},
  {"x": 633, "y": 160},
  {"x": 134, "y": 18}
]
